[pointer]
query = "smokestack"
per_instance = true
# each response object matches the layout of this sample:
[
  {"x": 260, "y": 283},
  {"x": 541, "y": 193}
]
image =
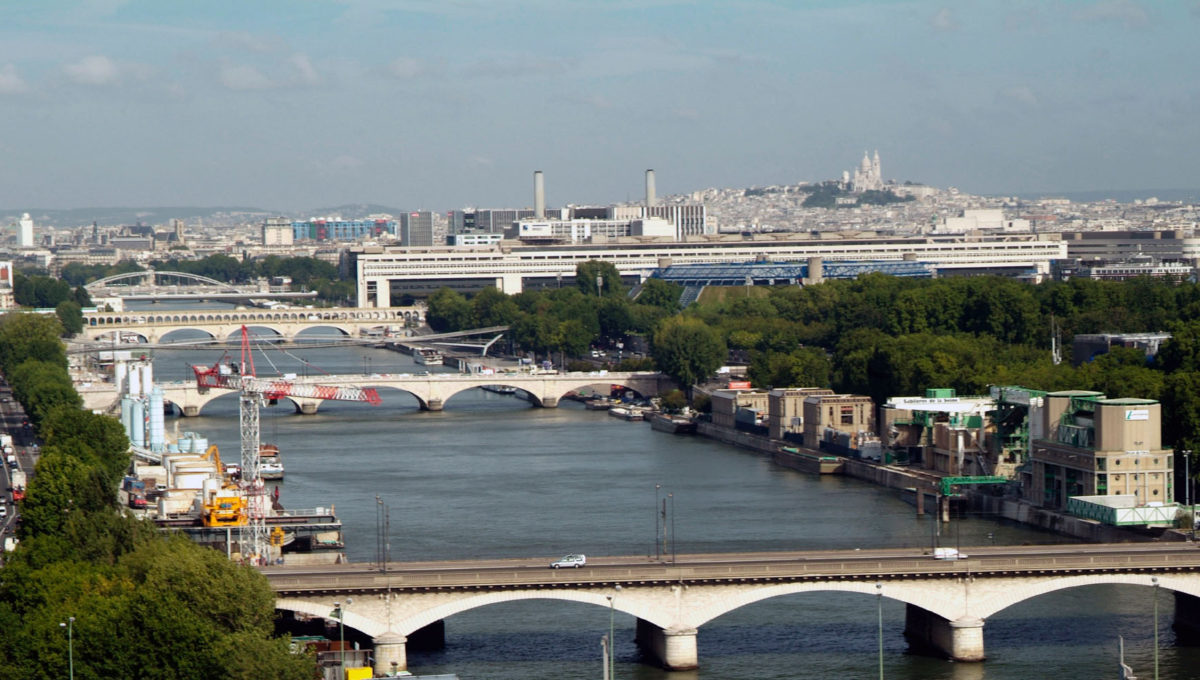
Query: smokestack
[
  {"x": 539, "y": 196},
  {"x": 650, "y": 197}
]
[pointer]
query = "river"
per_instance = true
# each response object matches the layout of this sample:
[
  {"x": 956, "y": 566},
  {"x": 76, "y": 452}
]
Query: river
[{"x": 493, "y": 476}]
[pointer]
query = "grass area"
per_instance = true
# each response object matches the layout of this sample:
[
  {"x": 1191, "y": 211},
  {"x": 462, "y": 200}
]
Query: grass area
[{"x": 722, "y": 293}]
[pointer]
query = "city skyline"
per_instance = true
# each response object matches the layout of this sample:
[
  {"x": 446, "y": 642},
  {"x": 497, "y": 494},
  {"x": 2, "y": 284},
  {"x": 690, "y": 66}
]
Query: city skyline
[{"x": 436, "y": 105}]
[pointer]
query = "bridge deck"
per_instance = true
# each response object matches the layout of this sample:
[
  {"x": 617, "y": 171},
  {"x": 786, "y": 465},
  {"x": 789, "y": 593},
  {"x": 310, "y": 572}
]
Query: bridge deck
[{"x": 858, "y": 565}]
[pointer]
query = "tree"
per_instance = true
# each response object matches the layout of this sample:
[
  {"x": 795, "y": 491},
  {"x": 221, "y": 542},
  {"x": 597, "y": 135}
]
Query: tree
[
  {"x": 490, "y": 307},
  {"x": 70, "y": 314},
  {"x": 30, "y": 336},
  {"x": 804, "y": 367},
  {"x": 591, "y": 272},
  {"x": 687, "y": 349},
  {"x": 659, "y": 293},
  {"x": 448, "y": 311}
]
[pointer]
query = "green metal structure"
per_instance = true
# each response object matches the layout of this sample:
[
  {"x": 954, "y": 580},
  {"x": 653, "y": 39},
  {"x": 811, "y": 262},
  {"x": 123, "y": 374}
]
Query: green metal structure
[{"x": 948, "y": 482}]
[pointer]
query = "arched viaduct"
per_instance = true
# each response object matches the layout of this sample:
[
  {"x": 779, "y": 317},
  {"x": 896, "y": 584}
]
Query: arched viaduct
[
  {"x": 431, "y": 390},
  {"x": 947, "y": 602},
  {"x": 221, "y": 324}
]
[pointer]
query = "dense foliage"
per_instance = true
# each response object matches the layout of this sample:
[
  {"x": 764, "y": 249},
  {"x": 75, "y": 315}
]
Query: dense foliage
[
  {"x": 883, "y": 336},
  {"x": 47, "y": 292},
  {"x": 826, "y": 195},
  {"x": 145, "y": 605}
]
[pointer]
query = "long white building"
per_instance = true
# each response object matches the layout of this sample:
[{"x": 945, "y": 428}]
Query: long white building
[{"x": 383, "y": 272}]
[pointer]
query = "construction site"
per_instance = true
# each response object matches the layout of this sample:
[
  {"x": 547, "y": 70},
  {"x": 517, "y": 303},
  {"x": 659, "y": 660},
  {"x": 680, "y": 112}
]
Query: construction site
[{"x": 182, "y": 483}]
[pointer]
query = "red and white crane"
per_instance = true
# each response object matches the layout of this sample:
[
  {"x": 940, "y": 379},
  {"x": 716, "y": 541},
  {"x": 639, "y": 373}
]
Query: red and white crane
[{"x": 252, "y": 392}]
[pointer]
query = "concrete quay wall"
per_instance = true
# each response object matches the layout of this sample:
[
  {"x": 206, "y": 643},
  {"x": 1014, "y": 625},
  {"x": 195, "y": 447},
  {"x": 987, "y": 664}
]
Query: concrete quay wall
[{"x": 903, "y": 479}]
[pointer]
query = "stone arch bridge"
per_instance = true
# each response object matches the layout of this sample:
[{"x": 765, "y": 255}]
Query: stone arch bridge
[
  {"x": 151, "y": 326},
  {"x": 947, "y": 601},
  {"x": 432, "y": 390}
]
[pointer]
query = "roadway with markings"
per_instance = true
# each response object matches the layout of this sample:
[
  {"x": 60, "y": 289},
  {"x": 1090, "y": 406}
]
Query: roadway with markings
[{"x": 883, "y": 564}]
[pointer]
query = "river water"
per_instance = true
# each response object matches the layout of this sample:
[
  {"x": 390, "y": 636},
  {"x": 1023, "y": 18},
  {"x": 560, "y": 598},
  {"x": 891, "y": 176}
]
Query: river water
[{"x": 493, "y": 476}]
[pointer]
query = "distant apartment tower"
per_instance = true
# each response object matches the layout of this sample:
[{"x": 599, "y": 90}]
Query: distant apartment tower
[
  {"x": 416, "y": 229},
  {"x": 25, "y": 231},
  {"x": 277, "y": 231}
]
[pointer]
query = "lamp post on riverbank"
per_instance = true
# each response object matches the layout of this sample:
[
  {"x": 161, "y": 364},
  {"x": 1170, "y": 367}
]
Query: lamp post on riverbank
[
  {"x": 671, "y": 497},
  {"x": 657, "y": 535},
  {"x": 70, "y": 626}
]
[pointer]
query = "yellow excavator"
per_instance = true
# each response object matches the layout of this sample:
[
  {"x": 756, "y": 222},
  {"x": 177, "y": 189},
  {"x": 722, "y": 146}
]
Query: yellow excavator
[{"x": 226, "y": 507}]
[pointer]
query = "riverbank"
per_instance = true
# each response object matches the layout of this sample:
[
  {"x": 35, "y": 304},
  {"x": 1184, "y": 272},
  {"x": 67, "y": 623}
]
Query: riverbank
[{"x": 910, "y": 480}]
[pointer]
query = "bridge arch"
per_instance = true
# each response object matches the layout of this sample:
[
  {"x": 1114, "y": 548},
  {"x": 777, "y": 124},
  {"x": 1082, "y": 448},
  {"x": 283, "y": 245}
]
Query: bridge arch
[
  {"x": 153, "y": 276},
  {"x": 367, "y": 624},
  {"x": 736, "y": 598},
  {"x": 993, "y": 600}
]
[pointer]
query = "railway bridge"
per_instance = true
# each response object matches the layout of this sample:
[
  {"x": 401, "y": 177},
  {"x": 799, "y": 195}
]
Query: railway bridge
[
  {"x": 432, "y": 390},
  {"x": 947, "y": 601},
  {"x": 151, "y": 326}
]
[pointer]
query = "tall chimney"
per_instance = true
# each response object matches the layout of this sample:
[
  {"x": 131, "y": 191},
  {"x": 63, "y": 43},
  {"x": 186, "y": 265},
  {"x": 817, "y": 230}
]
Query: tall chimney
[
  {"x": 539, "y": 196},
  {"x": 650, "y": 197}
]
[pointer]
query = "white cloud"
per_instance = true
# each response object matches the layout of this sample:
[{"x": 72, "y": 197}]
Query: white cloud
[
  {"x": 242, "y": 77},
  {"x": 10, "y": 81},
  {"x": 1125, "y": 12},
  {"x": 944, "y": 20},
  {"x": 93, "y": 70},
  {"x": 405, "y": 68},
  {"x": 308, "y": 74}
]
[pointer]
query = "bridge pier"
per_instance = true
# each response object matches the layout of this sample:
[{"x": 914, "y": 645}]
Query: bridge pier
[
  {"x": 960, "y": 639},
  {"x": 1187, "y": 619},
  {"x": 433, "y": 405},
  {"x": 549, "y": 402},
  {"x": 390, "y": 648},
  {"x": 189, "y": 411},
  {"x": 673, "y": 648},
  {"x": 307, "y": 407}
]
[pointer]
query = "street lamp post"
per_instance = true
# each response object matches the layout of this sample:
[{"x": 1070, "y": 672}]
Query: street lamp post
[
  {"x": 879, "y": 601},
  {"x": 1187, "y": 488},
  {"x": 657, "y": 536},
  {"x": 674, "y": 538},
  {"x": 70, "y": 626},
  {"x": 341, "y": 616},
  {"x": 612, "y": 641},
  {"x": 604, "y": 654},
  {"x": 1154, "y": 580}
]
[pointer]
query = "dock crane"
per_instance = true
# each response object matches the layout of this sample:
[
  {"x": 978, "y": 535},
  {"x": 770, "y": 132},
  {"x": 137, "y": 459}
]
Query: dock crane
[{"x": 253, "y": 391}]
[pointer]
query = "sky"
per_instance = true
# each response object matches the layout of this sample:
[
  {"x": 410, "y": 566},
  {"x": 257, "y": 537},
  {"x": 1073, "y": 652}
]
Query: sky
[{"x": 443, "y": 104}]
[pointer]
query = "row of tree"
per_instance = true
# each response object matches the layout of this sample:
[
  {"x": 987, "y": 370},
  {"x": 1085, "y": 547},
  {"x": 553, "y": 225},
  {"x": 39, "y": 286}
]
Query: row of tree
[
  {"x": 877, "y": 335},
  {"x": 144, "y": 604}
]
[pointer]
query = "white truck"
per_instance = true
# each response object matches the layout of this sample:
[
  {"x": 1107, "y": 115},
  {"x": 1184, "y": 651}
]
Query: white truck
[{"x": 948, "y": 554}]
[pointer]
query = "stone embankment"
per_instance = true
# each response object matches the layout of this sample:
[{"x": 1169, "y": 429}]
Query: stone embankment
[{"x": 909, "y": 480}]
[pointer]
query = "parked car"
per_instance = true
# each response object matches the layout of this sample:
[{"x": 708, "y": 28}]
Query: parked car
[{"x": 573, "y": 561}]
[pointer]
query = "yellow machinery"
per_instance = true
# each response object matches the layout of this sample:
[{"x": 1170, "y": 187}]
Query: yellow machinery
[
  {"x": 224, "y": 509},
  {"x": 227, "y": 507}
]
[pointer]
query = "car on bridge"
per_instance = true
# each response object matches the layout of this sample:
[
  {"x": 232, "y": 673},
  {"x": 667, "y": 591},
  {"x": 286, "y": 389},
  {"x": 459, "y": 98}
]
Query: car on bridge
[{"x": 573, "y": 561}]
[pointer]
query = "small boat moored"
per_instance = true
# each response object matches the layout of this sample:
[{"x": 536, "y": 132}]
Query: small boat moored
[{"x": 270, "y": 465}]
